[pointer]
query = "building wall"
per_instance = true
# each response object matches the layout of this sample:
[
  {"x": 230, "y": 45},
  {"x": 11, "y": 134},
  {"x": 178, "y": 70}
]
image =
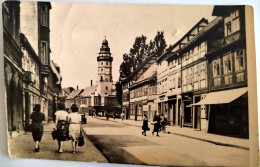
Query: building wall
[
  {"x": 13, "y": 73},
  {"x": 29, "y": 22}
]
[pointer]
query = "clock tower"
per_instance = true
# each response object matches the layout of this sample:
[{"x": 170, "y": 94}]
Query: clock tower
[{"x": 105, "y": 63}]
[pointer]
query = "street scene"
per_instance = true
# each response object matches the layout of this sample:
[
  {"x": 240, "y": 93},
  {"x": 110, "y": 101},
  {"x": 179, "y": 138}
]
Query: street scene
[
  {"x": 122, "y": 142},
  {"x": 103, "y": 83}
]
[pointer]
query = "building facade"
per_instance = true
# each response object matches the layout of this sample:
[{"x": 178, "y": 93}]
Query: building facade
[{"x": 13, "y": 72}]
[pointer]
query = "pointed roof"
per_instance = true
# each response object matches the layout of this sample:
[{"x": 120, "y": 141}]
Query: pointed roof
[
  {"x": 147, "y": 75},
  {"x": 89, "y": 90},
  {"x": 74, "y": 93}
]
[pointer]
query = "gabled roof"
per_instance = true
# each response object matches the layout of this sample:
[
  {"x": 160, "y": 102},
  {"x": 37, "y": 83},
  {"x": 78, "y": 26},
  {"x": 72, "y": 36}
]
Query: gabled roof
[
  {"x": 74, "y": 93},
  {"x": 89, "y": 90},
  {"x": 55, "y": 71},
  {"x": 138, "y": 68},
  {"x": 204, "y": 31},
  {"x": 203, "y": 20},
  {"x": 147, "y": 75}
]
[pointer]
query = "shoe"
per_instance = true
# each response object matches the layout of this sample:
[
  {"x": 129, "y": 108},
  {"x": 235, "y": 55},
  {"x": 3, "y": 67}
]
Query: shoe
[
  {"x": 36, "y": 150},
  {"x": 60, "y": 151},
  {"x": 73, "y": 152},
  {"x": 144, "y": 134}
]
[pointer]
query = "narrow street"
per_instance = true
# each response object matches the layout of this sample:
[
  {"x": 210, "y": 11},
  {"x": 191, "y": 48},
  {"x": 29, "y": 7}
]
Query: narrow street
[{"x": 121, "y": 143}]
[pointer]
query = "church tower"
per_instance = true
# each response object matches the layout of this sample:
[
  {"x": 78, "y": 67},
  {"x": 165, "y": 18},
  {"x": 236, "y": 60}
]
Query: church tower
[{"x": 105, "y": 63}]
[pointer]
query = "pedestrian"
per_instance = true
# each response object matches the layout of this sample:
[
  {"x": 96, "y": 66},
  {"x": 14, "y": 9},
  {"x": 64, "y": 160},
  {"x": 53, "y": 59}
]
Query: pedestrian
[
  {"x": 74, "y": 128},
  {"x": 62, "y": 125},
  {"x": 156, "y": 123},
  {"x": 164, "y": 123},
  {"x": 122, "y": 116},
  {"x": 107, "y": 116},
  {"x": 145, "y": 125},
  {"x": 37, "y": 126}
]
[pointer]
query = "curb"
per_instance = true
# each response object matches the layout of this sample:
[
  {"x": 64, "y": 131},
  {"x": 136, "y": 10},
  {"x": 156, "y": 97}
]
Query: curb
[{"x": 209, "y": 141}]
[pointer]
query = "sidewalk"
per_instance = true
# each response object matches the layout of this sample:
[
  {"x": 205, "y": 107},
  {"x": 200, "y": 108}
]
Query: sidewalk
[
  {"x": 23, "y": 147},
  {"x": 191, "y": 133}
]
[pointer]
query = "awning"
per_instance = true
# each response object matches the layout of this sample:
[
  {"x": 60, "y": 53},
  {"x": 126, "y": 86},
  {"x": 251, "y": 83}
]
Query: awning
[{"x": 222, "y": 97}]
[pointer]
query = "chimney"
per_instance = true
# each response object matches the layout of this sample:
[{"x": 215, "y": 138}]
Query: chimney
[
  {"x": 77, "y": 87},
  {"x": 91, "y": 83}
]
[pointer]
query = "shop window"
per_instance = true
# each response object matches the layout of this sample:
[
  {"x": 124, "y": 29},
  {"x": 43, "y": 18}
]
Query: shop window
[
  {"x": 227, "y": 61},
  {"x": 239, "y": 60}
]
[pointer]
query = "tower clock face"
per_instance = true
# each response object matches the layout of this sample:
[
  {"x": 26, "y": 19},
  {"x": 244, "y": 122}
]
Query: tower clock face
[{"x": 106, "y": 79}]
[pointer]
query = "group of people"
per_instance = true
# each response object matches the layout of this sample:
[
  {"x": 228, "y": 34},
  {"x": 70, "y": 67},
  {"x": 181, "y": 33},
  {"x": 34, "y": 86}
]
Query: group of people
[
  {"x": 159, "y": 123},
  {"x": 67, "y": 126}
]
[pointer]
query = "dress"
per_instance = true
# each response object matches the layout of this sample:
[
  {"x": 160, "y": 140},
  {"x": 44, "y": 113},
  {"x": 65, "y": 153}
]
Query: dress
[
  {"x": 62, "y": 125},
  {"x": 37, "y": 130},
  {"x": 157, "y": 125},
  {"x": 74, "y": 128},
  {"x": 145, "y": 124}
]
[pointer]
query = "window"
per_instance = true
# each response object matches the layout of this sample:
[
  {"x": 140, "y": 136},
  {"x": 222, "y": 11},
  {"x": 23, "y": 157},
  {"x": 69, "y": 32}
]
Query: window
[
  {"x": 106, "y": 88},
  {"x": 44, "y": 17},
  {"x": 216, "y": 67},
  {"x": 227, "y": 62},
  {"x": 202, "y": 49},
  {"x": 173, "y": 82},
  {"x": 235, "y": 21},
  {"x": 101, "y": 63},
  {"x": 239, "y": 60},
  {"x": 228, "y": 28},
  {"x": 202, "y": 71},
  {"x": 106, "y": 63},
  {"x": 44, "y": 53},
  {"x": 179, "y": 80},
  {"x": 101, "y": 69},
  {"x": 195, "y": 53},
  {"x": 196, "y": 73}
]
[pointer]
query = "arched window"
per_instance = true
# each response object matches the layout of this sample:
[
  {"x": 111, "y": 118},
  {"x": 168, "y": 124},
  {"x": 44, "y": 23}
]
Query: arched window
[{"x": 106, "y": 88}]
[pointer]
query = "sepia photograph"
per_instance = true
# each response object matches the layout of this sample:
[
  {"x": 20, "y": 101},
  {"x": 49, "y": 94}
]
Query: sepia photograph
[{"x": 131, "y": 84}]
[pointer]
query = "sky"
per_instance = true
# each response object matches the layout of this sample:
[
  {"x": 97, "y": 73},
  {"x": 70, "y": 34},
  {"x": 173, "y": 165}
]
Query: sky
[{"x": 78, "y": 29}]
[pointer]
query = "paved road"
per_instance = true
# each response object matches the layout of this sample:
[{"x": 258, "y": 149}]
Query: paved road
[
  {"x": 121, "y": 143},
  {"x": 23, "y": 147}
]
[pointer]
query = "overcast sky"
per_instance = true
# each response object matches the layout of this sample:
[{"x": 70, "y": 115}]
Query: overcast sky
[{"x": 78, "y": 29}]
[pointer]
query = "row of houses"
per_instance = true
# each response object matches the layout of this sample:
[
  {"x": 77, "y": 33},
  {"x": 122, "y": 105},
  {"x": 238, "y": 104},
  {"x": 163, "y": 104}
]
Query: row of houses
[
  {"x": 30, "y": 76},
  {"x": 101, "y": 97},
  {"x": 201, "y": 83}
]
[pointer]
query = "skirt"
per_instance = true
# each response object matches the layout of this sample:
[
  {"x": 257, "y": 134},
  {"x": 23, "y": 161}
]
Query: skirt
[
  {"x": 74, "y": 131},
  {"x": 63, "y": 131},
  {"x": 37, "y": 132}
]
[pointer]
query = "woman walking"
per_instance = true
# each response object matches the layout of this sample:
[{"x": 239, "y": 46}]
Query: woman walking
[
  {"x": 37, "y": 129},
  {"x": 157, "y": 124},
  {"x": 145, "y": 125},
  {"x": 74, "y": 128},
  {"x": 62, "y": 125}
]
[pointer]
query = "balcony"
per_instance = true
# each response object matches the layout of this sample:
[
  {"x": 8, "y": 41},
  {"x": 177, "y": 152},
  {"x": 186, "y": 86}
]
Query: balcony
[
  {"x": 28, "y": 77},
  {"x": 45, "y": 70}
]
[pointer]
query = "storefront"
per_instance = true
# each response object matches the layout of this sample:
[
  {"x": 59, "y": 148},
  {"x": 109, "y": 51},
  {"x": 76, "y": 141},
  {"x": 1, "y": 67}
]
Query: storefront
[{"x": 228, "y": 112}]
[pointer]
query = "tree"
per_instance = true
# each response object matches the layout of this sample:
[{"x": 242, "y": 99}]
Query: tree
[
  {"x": 159, "y": 43},
  {"x": 140, "y": 51}
]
